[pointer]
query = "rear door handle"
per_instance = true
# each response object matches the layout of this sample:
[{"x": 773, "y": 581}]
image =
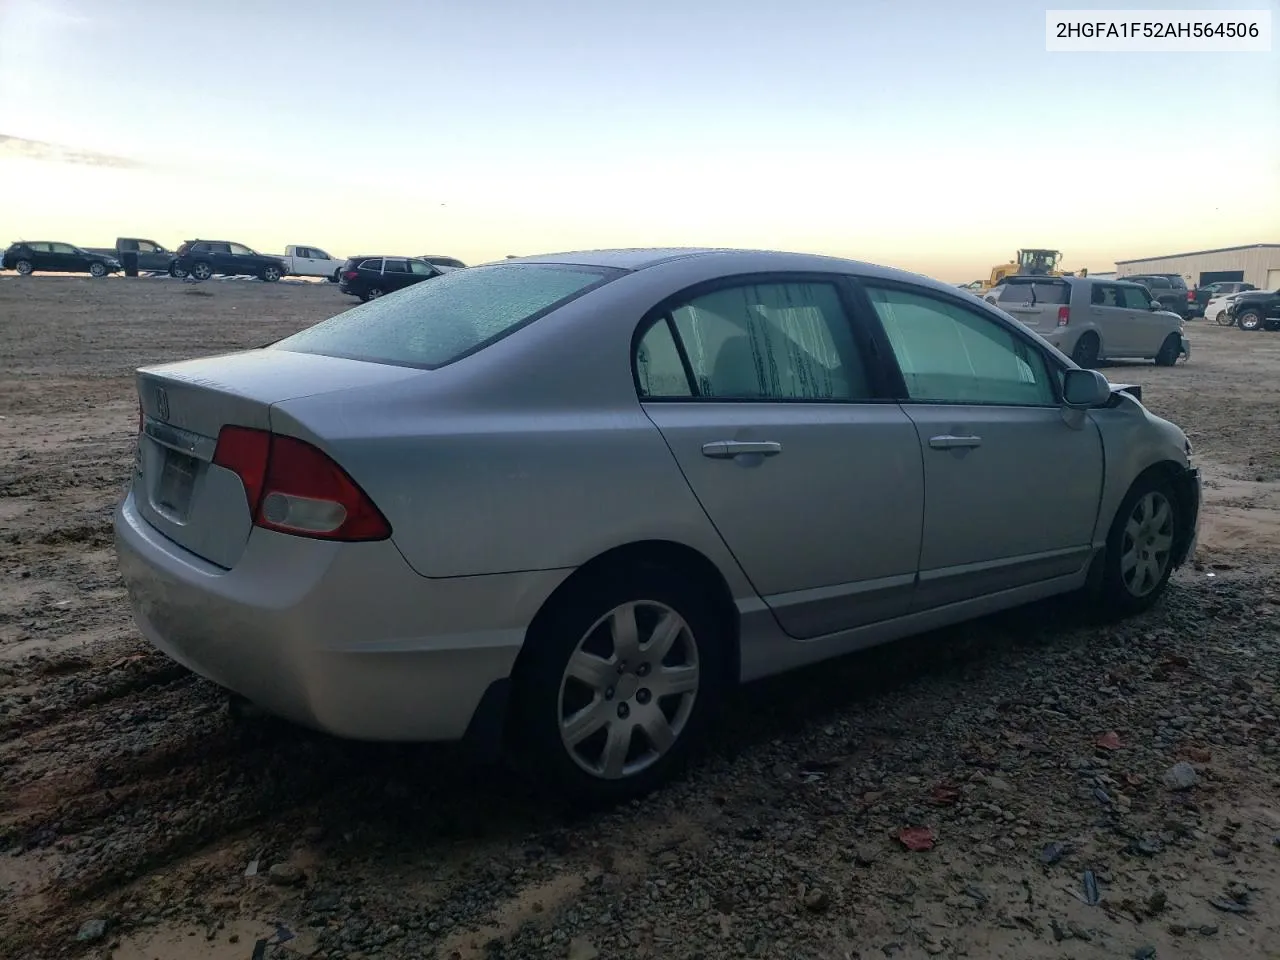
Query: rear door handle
[
  {"x": 948, "y": 442},
  {"x": 728, "y": 449}
]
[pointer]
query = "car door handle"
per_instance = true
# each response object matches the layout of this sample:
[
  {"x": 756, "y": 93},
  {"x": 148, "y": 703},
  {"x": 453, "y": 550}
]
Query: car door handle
[
  {"x": 948, "y": 442},
  {"x": 728, "y": 449}
]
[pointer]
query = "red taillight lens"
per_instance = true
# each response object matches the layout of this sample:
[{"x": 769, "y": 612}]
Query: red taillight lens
[
  {"x": 294, "y": 488},
  {"x": 350, "y": 275},
  {"x": 1064, "y": 316}
]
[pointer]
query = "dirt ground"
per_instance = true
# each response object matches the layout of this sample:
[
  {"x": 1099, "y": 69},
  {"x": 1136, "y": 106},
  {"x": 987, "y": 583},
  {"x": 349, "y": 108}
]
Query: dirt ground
[{"x": 139, "y": 820}]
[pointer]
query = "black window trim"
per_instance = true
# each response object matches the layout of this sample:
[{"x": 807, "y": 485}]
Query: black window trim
[
  {"x": 1053, "y": 365},
  {"x": 870, "y": 352}
]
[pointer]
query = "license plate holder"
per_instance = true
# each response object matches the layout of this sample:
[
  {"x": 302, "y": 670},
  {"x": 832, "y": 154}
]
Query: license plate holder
[{"x": 177, "y": 480}]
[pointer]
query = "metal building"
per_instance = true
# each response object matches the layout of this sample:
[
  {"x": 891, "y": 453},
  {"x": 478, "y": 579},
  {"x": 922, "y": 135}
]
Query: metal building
[{"x": 1258, "y": 264}]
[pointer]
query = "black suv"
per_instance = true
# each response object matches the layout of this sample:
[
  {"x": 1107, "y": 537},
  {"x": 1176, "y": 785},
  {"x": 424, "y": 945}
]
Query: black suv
[
  {"x": 204, "y": 258},
  {"x": 371, "y": 277},
  {"x": 1170, "y": 289},
  {"x": 1256, "y": 310},
  {"x": 28, "y": 256}
]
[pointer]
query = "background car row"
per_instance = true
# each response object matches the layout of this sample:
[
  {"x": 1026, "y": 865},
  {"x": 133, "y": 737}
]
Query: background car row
[{"x": 198, "y": 258}]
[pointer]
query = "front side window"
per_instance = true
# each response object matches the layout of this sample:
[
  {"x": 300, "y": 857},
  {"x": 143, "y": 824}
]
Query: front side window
[
  {"x": 317, "y": 254},
  {"x": 762, "y": 341},
  {"x": 420, "y": 268},
  {"x": 429, "y": 325},
  {"x": 62, "y": 248},
  {"x": 1135, "y": 298},
  {"x": 950, "y": 354},
  {"x": 240, "y": 250}
]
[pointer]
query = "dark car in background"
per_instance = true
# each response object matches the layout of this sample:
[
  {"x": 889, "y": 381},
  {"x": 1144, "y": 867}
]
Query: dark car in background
[
  {"x": 1256, "y": 310},
  {"x": 152, "y": 257},
  {"x": 203, "y": 259},
  {"x": 371, "y": 277},
  {"x": 48, "y": 256},
  {"x": 1170, "y": 289}
]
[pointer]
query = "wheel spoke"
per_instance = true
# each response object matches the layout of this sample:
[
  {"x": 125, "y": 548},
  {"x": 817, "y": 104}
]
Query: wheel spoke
[
  {"x": 625, "y": 633},
  {"x": 616, "y": 748},
  {"x": 1162, "y": 543},
  {"x": 670, "y": 681},
  {"x": 1161, "y": 516},
  {"x": 658, "y": 730},
  {"x": 594, "y": 671},
  {"x": 584, "y": 723},
  {"x": 1133, "y": 528},
  {"x": 664, "y": 636},
  {"x": 1128, "y": 562}
]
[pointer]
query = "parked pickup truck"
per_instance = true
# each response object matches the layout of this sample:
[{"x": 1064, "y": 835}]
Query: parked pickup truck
[
  {"x": 151, "y": 255},
  {"x": 311, "y": 262}
]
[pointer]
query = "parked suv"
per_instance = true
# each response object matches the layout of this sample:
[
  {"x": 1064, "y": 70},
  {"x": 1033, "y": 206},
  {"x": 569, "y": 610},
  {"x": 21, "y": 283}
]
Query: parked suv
[
  {"x": 1170, "y": 289},
  {"x": 1093, "y": 320},
  {"x": 28, "y": 256},
  {"x": 204, "y": 258},
  {"x": 1256, "y": 310},
  {"x": 371, "y": 277}
]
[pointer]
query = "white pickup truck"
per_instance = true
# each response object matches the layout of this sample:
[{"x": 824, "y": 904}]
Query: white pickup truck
[{"x": 311, "y": 262}]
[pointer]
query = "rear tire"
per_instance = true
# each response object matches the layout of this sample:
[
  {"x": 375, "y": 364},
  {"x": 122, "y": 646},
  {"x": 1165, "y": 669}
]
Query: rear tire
[
  {"x": 373, "y": 293},
  {"x": 176, "y": 271},
  {"x": 1086, "y": 350},
  {"x": 25, "y": 268},
  {"x": 335, "y": 277},
  {"x": 1140, "y": 548},
  {"x": 596, "y": 727},
  {"x": 1223, "y": 320},
  {"x": 1169, "y": 351}
]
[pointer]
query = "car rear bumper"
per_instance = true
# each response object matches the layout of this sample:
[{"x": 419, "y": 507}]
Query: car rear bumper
[{"x": 345, "y": 638}]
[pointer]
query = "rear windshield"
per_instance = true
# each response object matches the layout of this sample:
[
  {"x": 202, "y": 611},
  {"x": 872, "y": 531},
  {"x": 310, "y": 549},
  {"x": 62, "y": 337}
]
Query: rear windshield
[
  {"x": 441, "y": 320},
  {"x": 1048, "y": 292}
]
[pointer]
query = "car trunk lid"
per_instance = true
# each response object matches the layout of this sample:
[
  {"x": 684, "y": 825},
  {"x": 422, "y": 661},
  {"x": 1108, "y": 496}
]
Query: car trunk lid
[{"x": 178, "y": 488}]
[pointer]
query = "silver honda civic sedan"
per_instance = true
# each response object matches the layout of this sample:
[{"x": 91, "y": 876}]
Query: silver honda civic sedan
[{"x": 562, "y": 504}]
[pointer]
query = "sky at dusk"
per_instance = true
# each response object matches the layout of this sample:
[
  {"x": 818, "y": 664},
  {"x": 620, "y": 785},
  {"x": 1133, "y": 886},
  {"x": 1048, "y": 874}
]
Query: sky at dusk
[{"x": 935, "y": 136}]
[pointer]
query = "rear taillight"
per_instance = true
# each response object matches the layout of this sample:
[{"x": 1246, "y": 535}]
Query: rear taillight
[
  {"x": 294, "y": 488},
  {"x": 1191, "y": 296},
  {"x": 1064, "y": 316},
  {"x": 350, "y": 275}
]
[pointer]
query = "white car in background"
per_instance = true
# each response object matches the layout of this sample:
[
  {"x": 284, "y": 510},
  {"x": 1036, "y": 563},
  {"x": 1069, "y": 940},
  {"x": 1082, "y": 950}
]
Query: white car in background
[
  {"x": 1093, "y": 320},
  {"x": 1215, "y": 311},
  {"x": 311, "y": 262}
]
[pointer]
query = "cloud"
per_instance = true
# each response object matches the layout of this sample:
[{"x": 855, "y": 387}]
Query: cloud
[{"x": 20, "y": 148}]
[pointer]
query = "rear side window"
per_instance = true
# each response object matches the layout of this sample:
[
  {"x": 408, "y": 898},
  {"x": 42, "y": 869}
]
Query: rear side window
[{"x": 429, "y": 325}]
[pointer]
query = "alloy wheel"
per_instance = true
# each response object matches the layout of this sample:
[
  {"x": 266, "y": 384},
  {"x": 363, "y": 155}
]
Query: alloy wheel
[
  {"x": 628, "y": 689},
  {"x": 1147, "y": 546}
]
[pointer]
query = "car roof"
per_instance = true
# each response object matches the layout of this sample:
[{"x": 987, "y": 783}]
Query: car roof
[{"x": 636, "y": 259}]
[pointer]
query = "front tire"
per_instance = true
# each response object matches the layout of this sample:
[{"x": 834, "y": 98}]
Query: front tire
[
  {"x": 1086, "y": 350},
  {"x": 1169, "y": 351},
  {"x": 201, "y": 270},
  {"x": 1250, "y": 320},
  {"x": 98, "y": 270},
  {"x": 616, "y": 683},
  {"x": 1140, "y": 548},
  {"x": 270, "y": 274}
]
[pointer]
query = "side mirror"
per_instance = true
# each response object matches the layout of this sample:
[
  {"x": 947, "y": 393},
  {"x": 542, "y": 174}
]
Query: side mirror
[
  {"x": 1085, "y": 389},
  {"x": 1156, "y": 305}
]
